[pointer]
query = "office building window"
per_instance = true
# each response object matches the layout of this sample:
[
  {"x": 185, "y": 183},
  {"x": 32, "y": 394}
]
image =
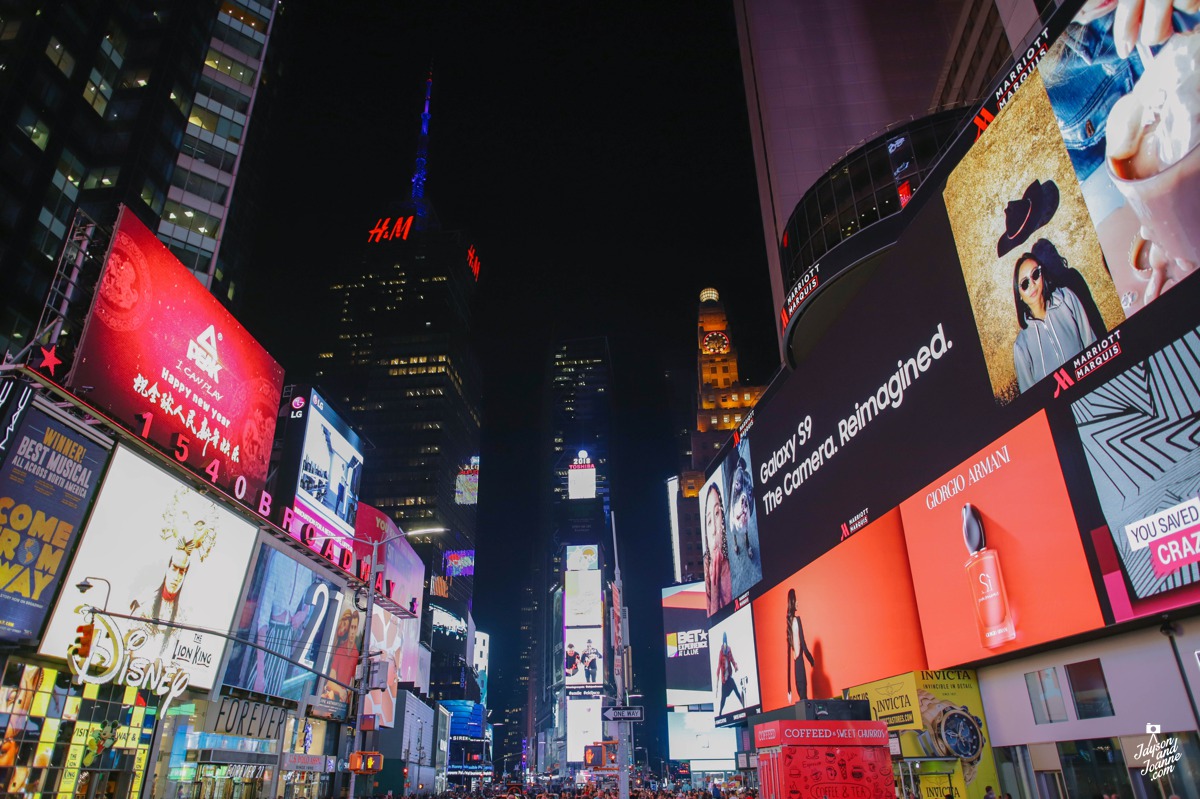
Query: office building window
[
  {"x": 1045, "y": 696},
  {"x": 1089, "y": 690}
]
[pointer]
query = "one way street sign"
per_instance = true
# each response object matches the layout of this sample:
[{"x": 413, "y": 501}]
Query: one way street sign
[{"x": 625, "y": 713}]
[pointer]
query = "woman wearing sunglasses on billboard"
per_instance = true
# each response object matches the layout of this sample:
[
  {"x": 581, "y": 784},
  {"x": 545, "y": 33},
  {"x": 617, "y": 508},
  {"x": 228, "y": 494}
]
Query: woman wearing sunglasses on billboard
[{"x": 1054, "y": 324}]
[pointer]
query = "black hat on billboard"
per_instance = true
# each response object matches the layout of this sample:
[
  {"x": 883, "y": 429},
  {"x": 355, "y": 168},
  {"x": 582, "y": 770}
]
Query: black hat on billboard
[{"x": 1022, "y": 217}]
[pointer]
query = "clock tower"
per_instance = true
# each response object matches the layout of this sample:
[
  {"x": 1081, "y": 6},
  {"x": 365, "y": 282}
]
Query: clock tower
[{"x": 722, "y": 402}]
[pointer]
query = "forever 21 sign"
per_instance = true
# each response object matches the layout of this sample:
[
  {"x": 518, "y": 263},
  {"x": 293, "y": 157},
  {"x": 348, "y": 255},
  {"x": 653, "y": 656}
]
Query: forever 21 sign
[{"x": 229, "y": 715}]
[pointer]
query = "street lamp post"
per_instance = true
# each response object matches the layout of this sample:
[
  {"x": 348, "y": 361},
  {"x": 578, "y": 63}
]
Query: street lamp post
[
  {"x": 365, "y": 660},
  {"x": 85, "y": 585}
]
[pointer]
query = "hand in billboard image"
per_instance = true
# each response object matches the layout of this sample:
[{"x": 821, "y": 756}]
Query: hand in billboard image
[
  {"x": 1055, "y": 322},
  {"x": 796, "y": 648},
  {"x": 571, "y": 661},
  {"x": 1122, "y": 81}
]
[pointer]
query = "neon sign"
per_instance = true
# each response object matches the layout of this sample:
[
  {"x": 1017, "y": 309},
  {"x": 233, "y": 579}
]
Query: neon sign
[
  {"x": 384, "y": 229},
  {"x": 111, "y": 658},
  {"x": 473, "y": 261}
]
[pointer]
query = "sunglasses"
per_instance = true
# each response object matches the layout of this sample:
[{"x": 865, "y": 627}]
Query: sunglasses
[{"x": 1036, "y": 274}]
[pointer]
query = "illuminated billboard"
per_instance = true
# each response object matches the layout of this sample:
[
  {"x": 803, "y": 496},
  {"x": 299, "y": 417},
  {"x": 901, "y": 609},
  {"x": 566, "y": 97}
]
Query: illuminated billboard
[
  {"x": 47, "y": 482},
  {"x": 448, "y": 623},
  {"x": 1014, "y": 374},
  {"x": 403, "y": 581},
  {"x": 693, "y": 736},
  {"x": 585, "y": 725},
  {"x": 480, "y": 661},
  {"x": 163, "y": 551},
  {"x": 733, "y": 666},
  {"x": 583, "y": 601},
  {"x": 458, "y": 562},
  {"x": 729, "y": 529},
  {"x": 583, "y": 656},
  {"x": 581, "y": 477},
  {"x": 163, "y": 358},
  {"x": 466, "y": 483},
  {"x": 810, "y": 633},
  {"x": 685, "y": 623},
  {"x": 583, "y": 558},
  {"x": 296, "y": 612},
  {"x": 330, "y": 472}
]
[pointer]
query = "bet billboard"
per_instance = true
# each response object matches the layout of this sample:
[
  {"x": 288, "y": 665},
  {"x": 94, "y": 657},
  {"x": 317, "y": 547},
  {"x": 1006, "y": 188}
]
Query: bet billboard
[
  {"x": 163, "y": 358},
  {"x": 167, "y": 553},
  {"x": 733, "y": 667},
  {"x": 47, "y": 482},
  {"x": 816, "y": 630},
  {"x": 296, "y": 612},
  {"x": 729, "y": 529},
  {"x": 693, "y": 736},
  {"x": 585, "y": 725},
  {"x": 685, "y": 623}
]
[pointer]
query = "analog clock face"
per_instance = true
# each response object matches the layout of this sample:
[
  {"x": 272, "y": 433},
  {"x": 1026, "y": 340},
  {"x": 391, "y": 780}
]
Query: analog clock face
[
  {"x": 716, "y": 342},
  {"x": 962, "y": 734}
]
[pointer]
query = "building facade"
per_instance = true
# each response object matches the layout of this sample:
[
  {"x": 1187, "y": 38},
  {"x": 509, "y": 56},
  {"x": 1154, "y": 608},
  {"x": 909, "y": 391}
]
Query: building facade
[{"x": 107, "y": 106}]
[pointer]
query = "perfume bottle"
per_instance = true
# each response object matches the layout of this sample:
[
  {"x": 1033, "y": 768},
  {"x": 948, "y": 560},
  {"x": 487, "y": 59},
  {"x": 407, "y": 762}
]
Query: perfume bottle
[{"x": 987, "y": 583}]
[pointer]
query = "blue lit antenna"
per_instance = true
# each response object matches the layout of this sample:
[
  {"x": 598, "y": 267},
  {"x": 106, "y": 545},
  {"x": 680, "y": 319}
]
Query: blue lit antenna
[{"x": 418, "y": 180}]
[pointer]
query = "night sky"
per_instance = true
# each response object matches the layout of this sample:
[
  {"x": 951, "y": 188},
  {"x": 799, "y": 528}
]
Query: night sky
[{"x": 599, "y": 157}]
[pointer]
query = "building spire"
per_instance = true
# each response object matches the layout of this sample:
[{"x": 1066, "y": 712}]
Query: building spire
[{"x": 418, "y": 180}]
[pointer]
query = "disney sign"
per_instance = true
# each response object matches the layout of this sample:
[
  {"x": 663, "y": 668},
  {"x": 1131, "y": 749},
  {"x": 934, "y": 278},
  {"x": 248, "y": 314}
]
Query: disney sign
[{"x": 112, "y": 658}]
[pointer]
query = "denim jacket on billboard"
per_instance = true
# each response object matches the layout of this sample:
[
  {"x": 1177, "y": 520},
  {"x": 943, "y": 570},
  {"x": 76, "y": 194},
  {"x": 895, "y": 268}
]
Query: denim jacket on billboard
[{"x": 1085, "y": 77}]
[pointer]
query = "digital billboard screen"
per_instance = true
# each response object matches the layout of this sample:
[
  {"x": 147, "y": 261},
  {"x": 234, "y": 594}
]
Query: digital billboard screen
[
  {"x": 329, "y": 472},
  {"x": 583, "y": 558},
  {"x": 404, "y": 576},
  {"x": 164, "y": 359},
  {"x": 581, "y": 477},
  {"x": 585, "y": 725},
  {"x": 583, "y": 601},
  {"x": 583, "y": 656},
  {"x": 458, "y": 562},
  {"x": 166, "y": 553},
  {"x": 733, "y": 666},
  {"x": 47, "y": 482},
  {"x": 297, "y": 612},
  {"x": 685, "y": 624},
  {"x": 816, "y": 631},
  {"x": 448, "y": 623},
  {"x": 466, "y": 483},
  {"x": 729, "y": 529},
  {"x": 693, "y": 736}
]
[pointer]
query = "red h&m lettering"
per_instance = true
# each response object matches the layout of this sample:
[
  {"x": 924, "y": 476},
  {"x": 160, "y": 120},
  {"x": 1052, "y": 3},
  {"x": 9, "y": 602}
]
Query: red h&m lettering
[{"x": 384, "y": 229}]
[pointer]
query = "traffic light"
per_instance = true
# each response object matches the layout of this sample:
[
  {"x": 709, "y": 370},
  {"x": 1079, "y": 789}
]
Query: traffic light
[
  {"x": 84, "y": 634},
  {"x": 365, "y": 762}
]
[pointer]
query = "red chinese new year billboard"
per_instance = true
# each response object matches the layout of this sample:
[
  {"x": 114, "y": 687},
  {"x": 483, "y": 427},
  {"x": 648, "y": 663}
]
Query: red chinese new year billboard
[{"x": 163, "y": 357}]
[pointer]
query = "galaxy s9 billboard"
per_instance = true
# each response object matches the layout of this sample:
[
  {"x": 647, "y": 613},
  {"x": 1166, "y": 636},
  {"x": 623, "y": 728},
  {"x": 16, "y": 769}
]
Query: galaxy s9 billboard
[
  {"x": 163, "y": 357},
  {"x": 1000, "y": 398}
]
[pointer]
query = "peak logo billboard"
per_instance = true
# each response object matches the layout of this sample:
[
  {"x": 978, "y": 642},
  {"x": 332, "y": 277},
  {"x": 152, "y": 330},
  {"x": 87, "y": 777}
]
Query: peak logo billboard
[{"x": 202, "y": 351}]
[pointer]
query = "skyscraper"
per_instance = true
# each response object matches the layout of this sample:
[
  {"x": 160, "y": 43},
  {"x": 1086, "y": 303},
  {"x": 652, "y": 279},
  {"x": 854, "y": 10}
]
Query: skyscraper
[
  {"x": 574, "y": 483},
  {"x": 108, "y": 105}
]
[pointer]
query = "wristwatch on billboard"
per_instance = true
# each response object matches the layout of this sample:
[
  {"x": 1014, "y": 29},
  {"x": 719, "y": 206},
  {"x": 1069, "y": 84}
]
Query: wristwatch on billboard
[{"x": 951, "y": 731}]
